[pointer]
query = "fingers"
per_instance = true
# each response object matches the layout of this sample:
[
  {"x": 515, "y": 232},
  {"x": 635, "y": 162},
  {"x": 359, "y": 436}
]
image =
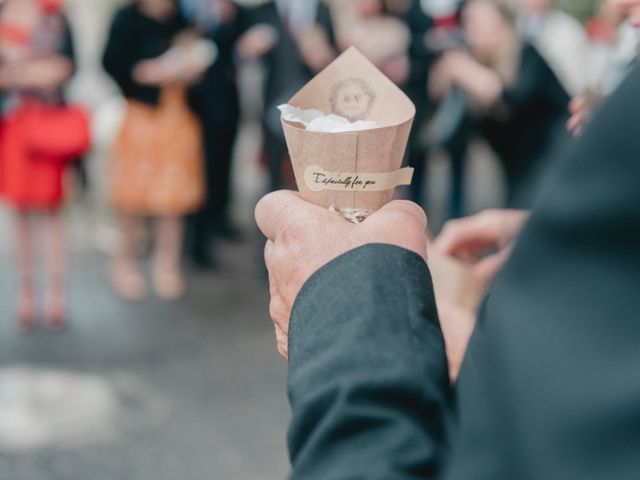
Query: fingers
[
  {"x": 282, "y": 342},
  {"x": 471, "y": 234},
  {"x": 576, "y": 122},
  {"x": 279, "y": 312},
  {"x": 400, "y": 223},
  {"x": 276, "y": 210},
  {"x": 577, "y": 104},
  {"x": 487, "y": 268},
  {"x": 578, "y": 108},
  {"x": 268, "y": 252},
  {"x": 404, "y": 207}
]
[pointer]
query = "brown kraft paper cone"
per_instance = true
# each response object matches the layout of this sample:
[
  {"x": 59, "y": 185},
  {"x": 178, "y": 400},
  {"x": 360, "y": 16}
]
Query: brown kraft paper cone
[{"x": 347, "y": 163}]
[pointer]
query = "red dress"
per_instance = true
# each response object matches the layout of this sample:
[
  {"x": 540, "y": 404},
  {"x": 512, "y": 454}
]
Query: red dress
[
  {"x": 28, "y": 180},
  {"x": 37, "y": 140}
]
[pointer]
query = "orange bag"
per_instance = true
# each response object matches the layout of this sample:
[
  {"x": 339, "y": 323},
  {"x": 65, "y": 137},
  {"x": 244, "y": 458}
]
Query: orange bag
[{"x": 156, "y": 162}]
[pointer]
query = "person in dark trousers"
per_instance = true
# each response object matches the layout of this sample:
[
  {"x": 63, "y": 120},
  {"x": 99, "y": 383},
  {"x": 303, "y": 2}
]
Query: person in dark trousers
[
  {"x": 549, "y": 385},
  {"x": 216, "y": 102},
  {"x": 290, "y": 64}
]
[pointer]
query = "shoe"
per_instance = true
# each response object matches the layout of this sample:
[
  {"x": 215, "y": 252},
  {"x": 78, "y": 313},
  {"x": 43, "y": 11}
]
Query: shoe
[
  {"x": 168, "y": 284},
  {"x": 203, "y": 261},
  {"x": 127, "y": 281}
]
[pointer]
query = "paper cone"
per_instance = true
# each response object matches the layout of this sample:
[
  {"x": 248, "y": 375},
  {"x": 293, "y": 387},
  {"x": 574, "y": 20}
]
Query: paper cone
[{"x": 364, "y": 166}]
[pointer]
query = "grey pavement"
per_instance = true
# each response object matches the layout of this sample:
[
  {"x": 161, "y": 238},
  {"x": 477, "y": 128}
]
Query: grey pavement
[{"x": 194, "y": 389}]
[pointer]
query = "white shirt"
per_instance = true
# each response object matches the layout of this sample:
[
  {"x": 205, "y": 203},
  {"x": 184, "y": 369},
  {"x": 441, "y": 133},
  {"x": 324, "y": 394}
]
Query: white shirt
[{"x": 563, "y": 43}]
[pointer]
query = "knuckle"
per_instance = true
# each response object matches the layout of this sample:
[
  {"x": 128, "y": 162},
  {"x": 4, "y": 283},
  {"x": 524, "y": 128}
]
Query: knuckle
[
  {"x": 450, "y": 228},
  {"x": 411, "y": 210},
  {"x": 279, "y": 313},
  {"x": 491, "y": 214}
]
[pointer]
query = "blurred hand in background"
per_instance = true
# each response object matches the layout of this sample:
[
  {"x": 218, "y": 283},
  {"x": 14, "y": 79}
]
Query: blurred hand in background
[{"x": 470, "y": 239}]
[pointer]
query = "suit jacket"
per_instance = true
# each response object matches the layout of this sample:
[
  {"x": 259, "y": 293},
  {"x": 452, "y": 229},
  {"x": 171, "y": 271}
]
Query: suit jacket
[
  {"x": 216, "y": 97},
  {"x": 134, "y": 37},
  {"x": 550, "y": 385}
]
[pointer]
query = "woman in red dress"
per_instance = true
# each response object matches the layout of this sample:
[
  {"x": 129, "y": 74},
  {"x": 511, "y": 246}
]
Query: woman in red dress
[{"x": 36, "y": 61}]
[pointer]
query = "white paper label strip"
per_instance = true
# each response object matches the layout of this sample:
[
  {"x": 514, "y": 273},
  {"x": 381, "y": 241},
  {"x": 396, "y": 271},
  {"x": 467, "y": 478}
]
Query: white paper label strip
[{"x": 318, "y": 179}]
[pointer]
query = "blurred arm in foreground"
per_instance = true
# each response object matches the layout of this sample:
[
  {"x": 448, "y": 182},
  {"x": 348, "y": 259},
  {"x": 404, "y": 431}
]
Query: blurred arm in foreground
[{"x": 550, "y": 379}]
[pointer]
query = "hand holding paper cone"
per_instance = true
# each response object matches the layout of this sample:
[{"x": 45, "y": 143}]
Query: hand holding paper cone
[{"x": 351, "y": 171}]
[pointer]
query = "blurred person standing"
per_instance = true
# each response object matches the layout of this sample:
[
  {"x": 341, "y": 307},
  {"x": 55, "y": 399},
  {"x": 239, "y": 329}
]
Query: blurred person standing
[
  {"x": 156, "y": 160},
  {"x": 39, "y": 136},
  {"x": 448, "y": 128},
  {"x": 421, "y": 57},
  {"x": 517, "y": 102},
  {"x": 295, "y": 39},
  {"x": 216, "y": 102},
  {"x": 560, "y": 39},
  {"x": 392, "y": 34}
]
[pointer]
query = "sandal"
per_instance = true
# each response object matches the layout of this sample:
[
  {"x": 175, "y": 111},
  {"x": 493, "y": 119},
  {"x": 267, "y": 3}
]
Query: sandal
[
  {"x": 168, "y": 284},
  {"x": 127, "y": 282}
]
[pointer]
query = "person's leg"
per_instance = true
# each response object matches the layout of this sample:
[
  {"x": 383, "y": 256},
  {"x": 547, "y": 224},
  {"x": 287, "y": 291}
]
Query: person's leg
[
  {"x": 275, "y": 154},
  {"x": 221, "y": 185},
  {"x": 55, "y": 254},
  {"x": 458, "y": 156},
  {"x": 418, "y": 160},
  {"x": 26, "y": 309},
  {"x": 457, "y": 150},
  {"x": 166, "y": 271},
  {"x": 125, "y": 276},
  {"x": 200, "y": 223}
]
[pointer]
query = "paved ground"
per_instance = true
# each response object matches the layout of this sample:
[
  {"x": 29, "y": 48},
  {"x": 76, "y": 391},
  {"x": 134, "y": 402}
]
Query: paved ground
[{"x": 190, "y": 391}]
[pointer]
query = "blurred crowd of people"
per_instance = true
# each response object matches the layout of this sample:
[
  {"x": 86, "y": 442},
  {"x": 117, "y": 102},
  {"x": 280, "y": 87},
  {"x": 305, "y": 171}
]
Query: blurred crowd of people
[{"x": 502, "y": 71}]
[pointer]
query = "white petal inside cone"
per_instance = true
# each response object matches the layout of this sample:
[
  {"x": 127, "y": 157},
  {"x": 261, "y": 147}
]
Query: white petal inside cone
[{"x": 317, "y": 121}]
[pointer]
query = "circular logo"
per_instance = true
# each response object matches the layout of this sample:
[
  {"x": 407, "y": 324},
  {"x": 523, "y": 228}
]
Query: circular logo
[{"x": 352, "y": 98}]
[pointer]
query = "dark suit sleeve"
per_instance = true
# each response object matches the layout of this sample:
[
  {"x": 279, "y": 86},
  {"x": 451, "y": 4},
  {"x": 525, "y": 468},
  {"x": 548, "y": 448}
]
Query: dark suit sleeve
[
  {"x": 551, "y": 380},
  {"x": 368, "y": 381}
]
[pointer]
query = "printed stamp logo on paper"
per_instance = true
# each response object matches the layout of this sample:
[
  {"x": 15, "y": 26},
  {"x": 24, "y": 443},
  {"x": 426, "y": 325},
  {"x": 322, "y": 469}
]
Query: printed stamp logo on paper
[{"x": 352, "y": 98}]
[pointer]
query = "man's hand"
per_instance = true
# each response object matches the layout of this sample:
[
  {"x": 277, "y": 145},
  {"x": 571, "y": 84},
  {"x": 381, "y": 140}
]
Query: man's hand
[
  {"x": 303, "y": 237},
  {"x": 470, "y": 238},
  {"x": 581, "y": 109}
]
